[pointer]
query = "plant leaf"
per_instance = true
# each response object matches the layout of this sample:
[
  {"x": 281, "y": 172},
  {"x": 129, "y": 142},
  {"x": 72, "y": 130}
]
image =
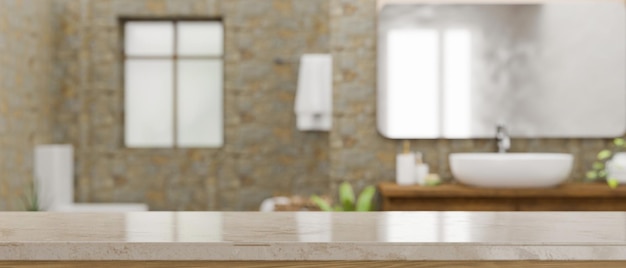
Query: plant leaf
[
  {"x": 346, "y": 196},
  {"x": 601, "y": 173},
  {"x": 619, "y": 142},
  {"x": 364, "y": 202},
  {"x": 592, "y": 175},
  {"x": 30, "y": 201},
  {"x": 612, "y": 182},
  {"x": 604, "y": 154},
  {"x": 598, "y": 165},
  {"x": 338, "y": 208},
  {"x": 324, "y": 206}
]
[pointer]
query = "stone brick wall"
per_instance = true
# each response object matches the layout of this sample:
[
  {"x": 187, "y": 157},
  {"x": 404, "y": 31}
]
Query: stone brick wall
[
  {"x": 357, "y": 151},
  {"x": 263, "y": 155},
  {"x": 26, "y": 87},
  {"x": 61, "y": 82}
]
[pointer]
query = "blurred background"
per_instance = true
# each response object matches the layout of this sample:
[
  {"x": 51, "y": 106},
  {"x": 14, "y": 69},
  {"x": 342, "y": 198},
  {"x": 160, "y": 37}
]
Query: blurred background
[{"x": 120, "y": 80}]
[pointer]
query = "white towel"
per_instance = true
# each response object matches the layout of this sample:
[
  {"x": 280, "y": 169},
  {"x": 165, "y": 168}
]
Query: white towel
[{"x": 313, "y": 105}]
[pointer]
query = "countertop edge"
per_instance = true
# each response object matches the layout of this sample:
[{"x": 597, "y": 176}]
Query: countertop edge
[{"x": 301, "y": 251}]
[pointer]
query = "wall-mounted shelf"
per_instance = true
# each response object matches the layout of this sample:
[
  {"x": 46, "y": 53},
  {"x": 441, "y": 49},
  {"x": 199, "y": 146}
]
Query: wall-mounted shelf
[{"x": 456, "y": 197}]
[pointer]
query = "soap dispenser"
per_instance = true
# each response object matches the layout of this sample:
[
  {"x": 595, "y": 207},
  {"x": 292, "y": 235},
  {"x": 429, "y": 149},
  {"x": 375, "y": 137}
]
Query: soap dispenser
[
  {"x": 405, "y": 166},
  {"x": 421, "y": 169}
]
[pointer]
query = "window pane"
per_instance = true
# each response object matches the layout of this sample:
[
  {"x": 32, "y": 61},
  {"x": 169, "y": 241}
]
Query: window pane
[
  {"x": 200, "y": 103},
  {"x": 148, "y": 103},
  {"x": 149, "y": 38},
  {"x": 200, "y": 38}
]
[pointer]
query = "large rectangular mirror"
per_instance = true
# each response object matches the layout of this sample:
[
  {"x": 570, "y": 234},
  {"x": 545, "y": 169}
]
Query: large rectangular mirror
[{"x": 552, "y": 69}]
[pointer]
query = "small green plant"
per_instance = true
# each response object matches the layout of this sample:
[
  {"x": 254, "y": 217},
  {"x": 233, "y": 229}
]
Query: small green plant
[
  {"x": 30, "y": 199},
  {"x": 598, "y": 168},
  {"x": 347, "y": 199}
]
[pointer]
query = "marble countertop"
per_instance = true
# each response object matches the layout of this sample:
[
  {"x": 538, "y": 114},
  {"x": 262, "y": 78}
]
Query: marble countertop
[{"x": 312, "y": 236}]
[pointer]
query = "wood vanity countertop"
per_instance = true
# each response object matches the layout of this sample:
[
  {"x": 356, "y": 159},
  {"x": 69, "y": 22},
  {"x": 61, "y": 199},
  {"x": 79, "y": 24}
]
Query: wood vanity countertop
[
  {"x": 457, "y": 197},
  {"x": 458, "y": 190}
]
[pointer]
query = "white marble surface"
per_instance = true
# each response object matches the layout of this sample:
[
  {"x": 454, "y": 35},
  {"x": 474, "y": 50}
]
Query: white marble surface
[{"x": 313, "y": 236}]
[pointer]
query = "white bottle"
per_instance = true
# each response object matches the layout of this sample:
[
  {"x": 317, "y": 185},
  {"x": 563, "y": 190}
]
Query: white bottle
[
  {"x": 420, "y": 170},
  {"x": 405, "y": 169},
  {"x": 405, "y": 166}
]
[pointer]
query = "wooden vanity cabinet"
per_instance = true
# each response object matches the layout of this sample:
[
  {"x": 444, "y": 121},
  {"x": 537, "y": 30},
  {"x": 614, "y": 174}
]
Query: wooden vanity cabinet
[{"x": 456, "y": 197}]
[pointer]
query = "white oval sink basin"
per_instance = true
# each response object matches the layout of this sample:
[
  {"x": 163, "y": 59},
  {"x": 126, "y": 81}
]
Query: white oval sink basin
[{"x": 511, "y": 170}]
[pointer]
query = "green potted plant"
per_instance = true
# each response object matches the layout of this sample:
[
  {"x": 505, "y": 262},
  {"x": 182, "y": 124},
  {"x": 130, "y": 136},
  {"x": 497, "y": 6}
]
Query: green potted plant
[
  {"x": 348, "y": 200},
  {"x": 598, "y": 169}
]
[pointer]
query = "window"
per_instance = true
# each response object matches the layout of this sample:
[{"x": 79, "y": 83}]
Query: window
[{"x": 173, "y": 77}]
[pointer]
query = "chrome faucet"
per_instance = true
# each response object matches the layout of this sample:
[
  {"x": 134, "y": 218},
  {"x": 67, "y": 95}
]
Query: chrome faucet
[{"x": 504, "y": 142}]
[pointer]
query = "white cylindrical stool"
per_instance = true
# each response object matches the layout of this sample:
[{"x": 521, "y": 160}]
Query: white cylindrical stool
[{"x": 54, "y": 175}]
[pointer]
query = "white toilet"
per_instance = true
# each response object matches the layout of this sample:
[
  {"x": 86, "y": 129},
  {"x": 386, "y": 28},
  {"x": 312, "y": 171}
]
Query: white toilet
[{"x": 54, "y": 180}]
